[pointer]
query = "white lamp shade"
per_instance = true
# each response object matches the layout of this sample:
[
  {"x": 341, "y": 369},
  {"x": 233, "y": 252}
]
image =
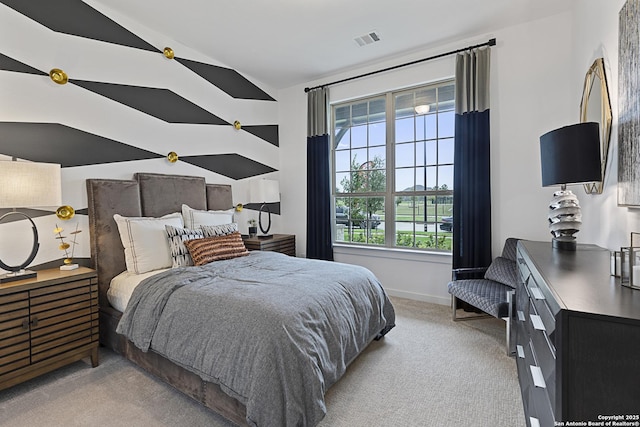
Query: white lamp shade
[
  {"x": 264, "y": 191},
  {"x": 29, "y": 184}
]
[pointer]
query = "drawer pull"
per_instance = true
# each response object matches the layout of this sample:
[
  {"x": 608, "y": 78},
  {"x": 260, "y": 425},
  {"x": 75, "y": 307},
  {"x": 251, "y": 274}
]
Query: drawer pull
[
  {"x": 538, "y": 378},
  {"x": 25, "y": 324},
  {"x": 537, "y": 322},
  {"x": 520, "y": 351},
  {"x": 537, "y": 293},
  {"x": 521, "y": 316},
  {"x": 534, "y": 422}
]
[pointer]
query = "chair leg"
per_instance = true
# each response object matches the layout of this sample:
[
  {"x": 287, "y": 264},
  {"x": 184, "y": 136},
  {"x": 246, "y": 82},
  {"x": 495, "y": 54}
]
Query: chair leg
[{"x": 454, "y": 305}]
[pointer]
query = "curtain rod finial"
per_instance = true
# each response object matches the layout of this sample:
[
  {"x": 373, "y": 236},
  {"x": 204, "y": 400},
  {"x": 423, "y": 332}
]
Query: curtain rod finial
[{"x": 492, "y": 42}]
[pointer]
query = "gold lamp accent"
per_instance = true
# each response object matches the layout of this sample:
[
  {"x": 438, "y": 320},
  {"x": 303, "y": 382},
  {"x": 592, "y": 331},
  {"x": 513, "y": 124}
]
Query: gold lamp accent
[
  {"x": 65, "y": 212},
  {"x": 65, "y": 246},
  {"x": 237, "y": 125},
  {"x": 58, "y": 76},
  {"x": 172, "y": 157},
  {"x": 168, "y": 53}
]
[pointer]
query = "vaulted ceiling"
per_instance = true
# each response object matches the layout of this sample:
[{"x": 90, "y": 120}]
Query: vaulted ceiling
[{"x": 287, "y": 42}]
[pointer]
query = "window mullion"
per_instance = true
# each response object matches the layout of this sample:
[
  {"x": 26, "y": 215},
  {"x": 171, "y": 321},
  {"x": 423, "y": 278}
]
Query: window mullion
[{"x": 389, "y": 202}]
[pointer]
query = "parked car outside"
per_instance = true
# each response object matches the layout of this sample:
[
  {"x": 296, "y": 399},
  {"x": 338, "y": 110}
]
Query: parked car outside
[
  {"x": 446, "y": 225},
  {"x": 342, "y": 217}
]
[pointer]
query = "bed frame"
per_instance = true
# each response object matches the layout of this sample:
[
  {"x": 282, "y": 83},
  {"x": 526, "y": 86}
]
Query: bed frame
[{"x": 149, "y": 194}]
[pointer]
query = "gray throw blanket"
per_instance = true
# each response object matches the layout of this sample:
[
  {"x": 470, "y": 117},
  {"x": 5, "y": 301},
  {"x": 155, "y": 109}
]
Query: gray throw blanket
[{"x": 275, "y": 332}]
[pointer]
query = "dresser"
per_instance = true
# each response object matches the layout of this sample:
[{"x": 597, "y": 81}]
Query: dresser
[
  {"x": 47, "y": 322},
  {"x": 283, "y": 243},
  {"x": 577, "y": 337}
]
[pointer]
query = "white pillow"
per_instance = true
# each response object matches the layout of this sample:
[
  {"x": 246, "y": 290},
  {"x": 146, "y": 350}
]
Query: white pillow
[
  {"x": 145, "y": 241},
  {"x": 194, "y": 218}
]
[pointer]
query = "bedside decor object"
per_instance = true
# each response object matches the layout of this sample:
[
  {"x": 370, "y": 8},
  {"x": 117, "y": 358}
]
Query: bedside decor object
[
  {"x": 27, "y": 184},
  {"x": 168, "y": 53},
  {"x": 237, "y": 125},
  {"x": 172, "y": 157},
  {"x": 569, "y": 155},
  {"x": 264, "y": 191},
  {"x": 58, "y": 76},
  {"x": 64, "y": 246},
  {"x": 253, "y": 230},
  {"x": 596, "y": 107}
]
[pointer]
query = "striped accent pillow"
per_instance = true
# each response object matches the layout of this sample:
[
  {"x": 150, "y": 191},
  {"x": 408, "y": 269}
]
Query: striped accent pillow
[
  {"x": 217, "y": 248},
  {"x": 219, "y": 230},
  {"x": 177, "y": 236}
]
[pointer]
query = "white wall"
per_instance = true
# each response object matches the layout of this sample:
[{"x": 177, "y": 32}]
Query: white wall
[
  {"x": 532, "y": 79},
  {"x": 596, "y": 35}
]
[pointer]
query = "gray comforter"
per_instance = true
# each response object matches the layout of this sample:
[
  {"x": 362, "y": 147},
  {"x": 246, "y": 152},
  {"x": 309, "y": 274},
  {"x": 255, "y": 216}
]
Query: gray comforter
[{"x": 274, "y": 331}]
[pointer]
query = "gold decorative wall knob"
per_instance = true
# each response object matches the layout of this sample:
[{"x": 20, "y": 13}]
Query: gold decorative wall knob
[
  {"x": 172, "y": 157},
  {"x": 65, "y": 212},
  {"x": 168, "y": 53},
  {"x": 239, "y": 207},
  {"x": 237, "y": 125},
  {"x": 58, "y": 76}
]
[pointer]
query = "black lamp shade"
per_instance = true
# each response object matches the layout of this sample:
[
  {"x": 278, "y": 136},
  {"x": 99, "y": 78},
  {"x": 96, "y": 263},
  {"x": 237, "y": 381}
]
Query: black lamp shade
[{"x": 571, "y": 154}]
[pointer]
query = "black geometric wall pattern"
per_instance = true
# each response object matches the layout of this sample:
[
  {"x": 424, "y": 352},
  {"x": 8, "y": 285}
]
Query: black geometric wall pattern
[
  {"x": 230, "y": 165},
  {"x": 160, "y": 103},
  {"x": 10, "y": 64},
  {"x": 77, "y": 18},
  {"x": 267, "y": 132},
  {"x": 228, "y": 80},
  {"x": 32, "y": 213},
  {"x": 57, "y": 143}
]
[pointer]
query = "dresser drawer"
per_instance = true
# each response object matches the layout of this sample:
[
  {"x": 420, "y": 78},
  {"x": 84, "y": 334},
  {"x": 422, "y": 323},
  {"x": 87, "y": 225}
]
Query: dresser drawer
[{"x": 545, "y": 361}]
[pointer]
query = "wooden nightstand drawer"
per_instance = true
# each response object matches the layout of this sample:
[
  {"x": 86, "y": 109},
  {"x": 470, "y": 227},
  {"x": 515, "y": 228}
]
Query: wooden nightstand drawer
[{"x": 283, "y": 243}]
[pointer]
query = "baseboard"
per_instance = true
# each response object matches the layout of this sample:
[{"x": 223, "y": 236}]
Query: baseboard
[{"x": 418, "y": 297}]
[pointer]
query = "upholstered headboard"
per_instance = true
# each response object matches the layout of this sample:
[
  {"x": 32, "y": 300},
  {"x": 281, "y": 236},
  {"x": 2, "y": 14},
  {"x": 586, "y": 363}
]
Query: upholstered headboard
[{"x": 147, "y": 194}]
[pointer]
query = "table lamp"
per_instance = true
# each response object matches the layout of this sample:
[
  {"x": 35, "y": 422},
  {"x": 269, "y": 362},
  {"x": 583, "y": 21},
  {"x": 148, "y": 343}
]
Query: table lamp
[
  {"x": 26, "y": 185},
  {"x": 264, "y": 191},
  {"x": 568, "y": 155}
]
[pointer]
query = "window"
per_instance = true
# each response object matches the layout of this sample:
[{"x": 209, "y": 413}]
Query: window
[{"x": 393, "y": 168}]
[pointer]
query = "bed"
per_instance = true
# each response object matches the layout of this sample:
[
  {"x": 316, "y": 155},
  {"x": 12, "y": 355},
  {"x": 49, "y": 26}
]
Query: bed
[{"x": 256, "y": 290}]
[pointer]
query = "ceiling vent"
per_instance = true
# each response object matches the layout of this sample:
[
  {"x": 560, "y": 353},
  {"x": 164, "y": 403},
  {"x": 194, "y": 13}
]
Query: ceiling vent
[{"x": 368, "y": 38}]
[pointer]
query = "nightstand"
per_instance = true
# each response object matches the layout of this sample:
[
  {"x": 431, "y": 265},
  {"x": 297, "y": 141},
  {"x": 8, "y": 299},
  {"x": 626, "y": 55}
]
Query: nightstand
[
  {"x": 47, "y": 322},
  {"x": 283, "y": 243}
]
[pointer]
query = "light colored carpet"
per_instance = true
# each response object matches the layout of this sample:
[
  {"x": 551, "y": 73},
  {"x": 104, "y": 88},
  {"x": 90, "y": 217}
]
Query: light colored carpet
[{"x": 428, "y": 371}]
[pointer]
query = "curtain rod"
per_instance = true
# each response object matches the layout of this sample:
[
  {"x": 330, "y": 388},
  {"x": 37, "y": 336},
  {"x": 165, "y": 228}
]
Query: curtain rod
[{"x": 490, "y": 42}]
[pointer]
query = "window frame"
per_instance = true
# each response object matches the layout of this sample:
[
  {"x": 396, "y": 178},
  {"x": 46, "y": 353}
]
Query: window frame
[{"x": 390, "y": 194}]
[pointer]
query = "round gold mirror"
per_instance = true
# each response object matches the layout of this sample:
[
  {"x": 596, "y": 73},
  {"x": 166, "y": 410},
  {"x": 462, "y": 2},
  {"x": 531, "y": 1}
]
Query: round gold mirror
[{"x": 596, "y": 107}]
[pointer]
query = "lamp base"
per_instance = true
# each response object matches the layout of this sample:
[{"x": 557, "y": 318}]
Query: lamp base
[
  {"x": 18, "y": 275},
  {"x": 265, "y": 236},
  {"x": 69, "y": 267},
  {"x": 564, "y": 243}
]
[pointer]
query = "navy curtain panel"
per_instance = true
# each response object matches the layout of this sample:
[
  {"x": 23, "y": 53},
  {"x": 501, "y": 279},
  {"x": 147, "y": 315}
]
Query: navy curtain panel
[
  {"x": 472, "y": 171},
  {"x": 319, "y": 244}
]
